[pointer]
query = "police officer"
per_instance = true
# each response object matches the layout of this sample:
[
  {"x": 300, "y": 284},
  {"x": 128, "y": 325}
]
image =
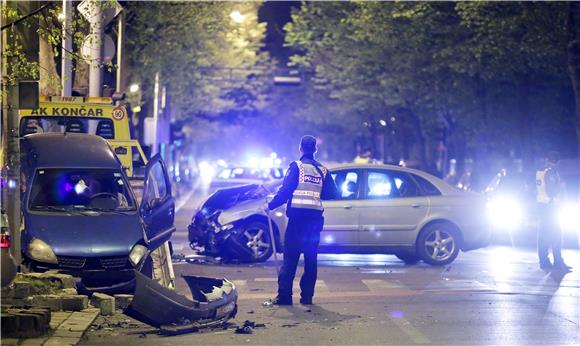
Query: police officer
[
  {"x": 307, "y": 182},
  {"x": 548, "y": 186}
]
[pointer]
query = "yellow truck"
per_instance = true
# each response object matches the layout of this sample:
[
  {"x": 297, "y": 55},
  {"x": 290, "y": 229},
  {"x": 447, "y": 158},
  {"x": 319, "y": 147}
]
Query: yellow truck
[{"x": 92, "y": 115}]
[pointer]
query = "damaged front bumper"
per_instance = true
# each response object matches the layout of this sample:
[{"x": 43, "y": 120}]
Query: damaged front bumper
[
  {"x": 207, "y": 232},
  {"x": 212, "y": 302}
]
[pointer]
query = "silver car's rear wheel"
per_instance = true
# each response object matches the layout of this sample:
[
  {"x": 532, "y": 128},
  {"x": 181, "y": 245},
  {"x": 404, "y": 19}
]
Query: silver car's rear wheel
[{"x": 438, "y": 244}]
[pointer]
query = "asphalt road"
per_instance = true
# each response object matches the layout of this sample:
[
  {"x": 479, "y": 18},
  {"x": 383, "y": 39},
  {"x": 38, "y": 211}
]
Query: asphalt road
[{"x": 491, "y": 296}]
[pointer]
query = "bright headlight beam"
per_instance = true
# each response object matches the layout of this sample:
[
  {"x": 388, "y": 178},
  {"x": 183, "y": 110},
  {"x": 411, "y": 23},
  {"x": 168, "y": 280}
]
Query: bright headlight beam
[
  {"x": 569, "y": 217},
  {"x": 504, "y": 212}
]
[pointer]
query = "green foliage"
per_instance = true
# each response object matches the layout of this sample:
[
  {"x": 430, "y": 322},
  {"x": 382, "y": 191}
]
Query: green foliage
[
  {"x": 469, "y": 65},
  {"x": 213, "y": 64}
]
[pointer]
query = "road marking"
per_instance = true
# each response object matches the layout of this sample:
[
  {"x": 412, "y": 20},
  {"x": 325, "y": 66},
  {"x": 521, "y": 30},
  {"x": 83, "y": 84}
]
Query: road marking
[
  {"x": 381, "y": 285},
  {"x": 340, "y": 294},
  {"x": 182, "y": 201},
  {"x": 412, "y": 332},
  {"x": 266, "y": 279},
  {"x": 241, "y": 285}
]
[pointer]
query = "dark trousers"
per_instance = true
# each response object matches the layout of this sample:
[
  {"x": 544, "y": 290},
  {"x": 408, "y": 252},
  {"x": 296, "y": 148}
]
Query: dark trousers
[
  {"x": 549, "y": 233},
  {"x": 302, "y": 237}
]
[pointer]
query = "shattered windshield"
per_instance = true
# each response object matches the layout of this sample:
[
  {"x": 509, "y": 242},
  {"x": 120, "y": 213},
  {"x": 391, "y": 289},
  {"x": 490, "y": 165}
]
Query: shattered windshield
[{"x": 80, "y": 189}]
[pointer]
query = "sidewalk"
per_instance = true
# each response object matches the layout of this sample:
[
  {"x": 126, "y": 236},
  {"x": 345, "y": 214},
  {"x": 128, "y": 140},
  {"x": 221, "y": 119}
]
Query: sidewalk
[{"x": 68, "y": 328}]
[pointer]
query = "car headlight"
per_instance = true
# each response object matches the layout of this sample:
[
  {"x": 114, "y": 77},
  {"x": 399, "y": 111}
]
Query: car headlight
[
  {"x": 569, "y": 217},
  {"x": 41, "y": 252},
  {"x": 504, "y": 212},
  {"x": 137, "y": 253}
]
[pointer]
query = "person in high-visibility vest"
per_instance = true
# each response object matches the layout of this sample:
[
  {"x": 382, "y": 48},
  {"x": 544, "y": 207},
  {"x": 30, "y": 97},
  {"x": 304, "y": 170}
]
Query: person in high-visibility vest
[
  {"x": 548, "y": 191},
  {"x": 306, "y": 184}
]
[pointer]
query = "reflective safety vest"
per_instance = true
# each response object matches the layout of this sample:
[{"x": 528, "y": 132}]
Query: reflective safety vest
[
  {"x": 541, "y": 190},
  {"x": 307, "y": 193}
]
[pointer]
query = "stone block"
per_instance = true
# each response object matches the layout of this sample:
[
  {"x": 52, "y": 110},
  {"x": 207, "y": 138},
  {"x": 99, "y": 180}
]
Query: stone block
[
  {"x": 69, "y": 291},
  {"x": 51, "y": 301},
  {"x": 104, "y": 302},
  {"x": 7, "y": 292},
  {"x": 74, "y": 302},
  {"x": 63, "y": 280},
  {"x": 22, "y": 289},
  {"x": 122, "y": 301},
  {"x": 25, "y": 323}
]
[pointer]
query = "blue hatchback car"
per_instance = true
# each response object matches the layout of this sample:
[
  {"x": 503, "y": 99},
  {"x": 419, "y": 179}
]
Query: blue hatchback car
[{"x": 81, "y": 216}]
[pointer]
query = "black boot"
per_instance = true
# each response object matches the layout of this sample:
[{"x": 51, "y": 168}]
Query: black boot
[
  {"x": 560, "y": 265},
  {"x": 282, "y": 300},
  {"x": 306, "y": 300}
]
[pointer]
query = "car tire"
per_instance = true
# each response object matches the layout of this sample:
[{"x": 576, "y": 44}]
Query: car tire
[
  {"x": 255, "y": 238},
  {"x": 408, "y": 258},
  {"x": 438, "y": 243}
]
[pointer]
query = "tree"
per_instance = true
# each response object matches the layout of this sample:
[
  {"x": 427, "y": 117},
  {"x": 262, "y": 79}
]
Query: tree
[
  {"x": 208, "y": 52},
  {"x": 467, "y": 66}
]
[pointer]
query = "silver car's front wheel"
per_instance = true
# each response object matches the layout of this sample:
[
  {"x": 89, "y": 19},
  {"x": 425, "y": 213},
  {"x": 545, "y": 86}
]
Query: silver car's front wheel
[
  {"x": 256, "y": 238},
  {"x": 438, "y": 244}
]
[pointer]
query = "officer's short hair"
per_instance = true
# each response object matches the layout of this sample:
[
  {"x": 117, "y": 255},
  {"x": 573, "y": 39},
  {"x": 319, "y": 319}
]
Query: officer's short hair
[
  {"x": 308, "y": 144},
  {"x": 553, "y": 156}
]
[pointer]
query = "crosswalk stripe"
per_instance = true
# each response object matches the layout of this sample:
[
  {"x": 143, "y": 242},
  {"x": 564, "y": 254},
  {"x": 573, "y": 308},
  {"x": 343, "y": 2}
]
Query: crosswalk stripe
[
  {"x": 381, "y": 285},
  {"x": 413, "y": 333},
  {"x": 265, "y": 279},
  {"x": 241, "y": 285}
]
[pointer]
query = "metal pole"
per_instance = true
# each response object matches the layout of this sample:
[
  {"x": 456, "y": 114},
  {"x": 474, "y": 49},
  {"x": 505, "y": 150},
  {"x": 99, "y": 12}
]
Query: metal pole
[
  {"x": 273, "y": 240},
  {"x": 155, "y": 114},
  {"x": 66, "y": 68},
  {"x": 96, "y": 56},
  {"x": 120, "y": 85}
]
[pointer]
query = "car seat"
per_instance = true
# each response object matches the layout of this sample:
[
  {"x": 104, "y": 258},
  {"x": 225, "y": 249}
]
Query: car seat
[
  {"x": 105, "y": 130},
  {"x": 75, "y": 126}
]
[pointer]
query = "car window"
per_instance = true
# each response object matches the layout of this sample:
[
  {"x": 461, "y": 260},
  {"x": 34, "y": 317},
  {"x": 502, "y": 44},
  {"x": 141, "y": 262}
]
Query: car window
[
  {"x": 347, "y": 183},
  {"x": 157, "y": 186},
  {"x": 85, "y": 189},
  {"x": 390, "y": 184},
  {"x": 428, "y": 188}
]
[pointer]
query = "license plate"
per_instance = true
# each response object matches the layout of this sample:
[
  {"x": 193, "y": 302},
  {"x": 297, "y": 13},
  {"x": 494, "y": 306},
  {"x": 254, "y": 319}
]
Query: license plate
[{"x": 224, "y": 310}]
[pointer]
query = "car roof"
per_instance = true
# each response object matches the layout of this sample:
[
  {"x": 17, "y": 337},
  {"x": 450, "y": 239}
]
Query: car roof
[
  {"x": 69, "y": 150},
  {"x": 444, "y": 187}
]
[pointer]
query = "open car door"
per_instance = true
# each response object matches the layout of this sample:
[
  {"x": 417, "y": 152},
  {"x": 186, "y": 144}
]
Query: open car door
[{"x": 158, "y": 205}]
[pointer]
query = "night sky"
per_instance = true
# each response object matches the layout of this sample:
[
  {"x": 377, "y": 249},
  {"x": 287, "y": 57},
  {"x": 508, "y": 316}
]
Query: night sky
[{"x": 277, "y": 14}]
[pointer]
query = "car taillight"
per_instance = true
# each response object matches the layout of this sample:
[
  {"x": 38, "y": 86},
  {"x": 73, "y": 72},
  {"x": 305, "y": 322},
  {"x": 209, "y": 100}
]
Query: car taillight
[{"x": 4, "y": 241}]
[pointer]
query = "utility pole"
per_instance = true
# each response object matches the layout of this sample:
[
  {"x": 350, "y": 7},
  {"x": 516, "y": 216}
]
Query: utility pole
[
  {"x": 120, "y": 82},
  {"x": 28, "y": 37},
  {"x": 66, "y": 68},
  {"x": 96, "y": 50}
]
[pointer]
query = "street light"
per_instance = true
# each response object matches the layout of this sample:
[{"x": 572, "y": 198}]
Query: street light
[
  {"x": 237, "y": 17},
  {"x": 134, "y": 88}
]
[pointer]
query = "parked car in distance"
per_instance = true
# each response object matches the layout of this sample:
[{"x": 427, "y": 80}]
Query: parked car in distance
[
  {"x": 82, "y": 218},
  {"x": 380, "y": 209},
  {"x": 236, "y": 176},
  {"x": 8, "y": 263}
]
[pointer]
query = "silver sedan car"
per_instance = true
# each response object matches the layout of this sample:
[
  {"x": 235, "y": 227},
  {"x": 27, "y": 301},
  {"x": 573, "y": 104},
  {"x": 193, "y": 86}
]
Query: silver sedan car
[{"x": 380, "y": 209}]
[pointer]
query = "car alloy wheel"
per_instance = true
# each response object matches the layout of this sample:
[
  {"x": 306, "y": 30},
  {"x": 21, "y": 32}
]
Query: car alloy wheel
[
  {"x": 256, "y": 237},
  {"x": 438, "y": 244}
]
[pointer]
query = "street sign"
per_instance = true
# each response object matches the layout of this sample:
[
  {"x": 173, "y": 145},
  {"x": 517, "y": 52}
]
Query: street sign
[{"x": 110, "y": 10}]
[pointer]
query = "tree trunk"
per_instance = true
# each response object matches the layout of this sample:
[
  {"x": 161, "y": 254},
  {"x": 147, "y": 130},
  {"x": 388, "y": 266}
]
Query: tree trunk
[
  {"x": 49, "y": 79},
  {"x": 573, "y": 61}
]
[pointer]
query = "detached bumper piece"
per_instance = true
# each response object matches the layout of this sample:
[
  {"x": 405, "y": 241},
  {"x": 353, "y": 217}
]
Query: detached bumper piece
[{"x": 213, "y": 302}]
